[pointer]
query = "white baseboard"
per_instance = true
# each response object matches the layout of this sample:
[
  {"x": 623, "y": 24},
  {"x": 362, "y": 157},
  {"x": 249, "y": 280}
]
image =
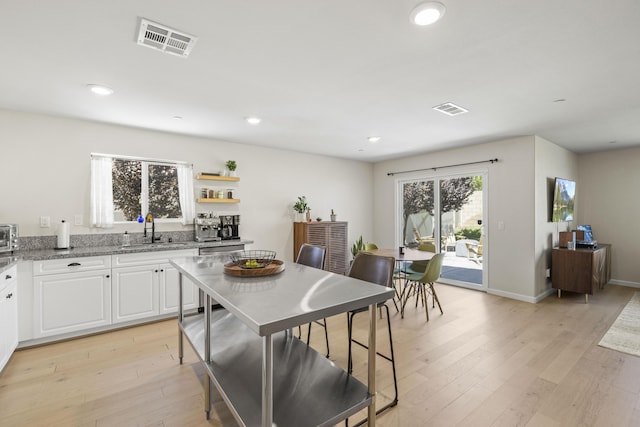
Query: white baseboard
[
  {"x": 624, "y": 283},
  {"x": 518, "y": 297}
]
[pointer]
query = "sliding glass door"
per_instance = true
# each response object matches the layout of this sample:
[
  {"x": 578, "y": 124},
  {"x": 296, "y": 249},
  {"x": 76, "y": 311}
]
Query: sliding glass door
[{"x": 448, "y": 212}]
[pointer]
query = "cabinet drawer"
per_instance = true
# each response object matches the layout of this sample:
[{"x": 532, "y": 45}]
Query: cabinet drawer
[
  {"x": 8, "y": 276},
  {"x": 145, "y": 258},
  {"x": 71, "y": 265}
]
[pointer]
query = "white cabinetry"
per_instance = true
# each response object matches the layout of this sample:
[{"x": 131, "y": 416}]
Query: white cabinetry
[
  {"x": 71, "y": 294},
  {"x": 146, "y": 285},
  {"x": 8, "y": 314},
  {"x": 135, "y": 293}
]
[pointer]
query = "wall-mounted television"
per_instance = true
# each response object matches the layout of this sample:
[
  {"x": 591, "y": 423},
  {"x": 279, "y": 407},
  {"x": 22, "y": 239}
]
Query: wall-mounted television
[{"x": 564, "y": 198}]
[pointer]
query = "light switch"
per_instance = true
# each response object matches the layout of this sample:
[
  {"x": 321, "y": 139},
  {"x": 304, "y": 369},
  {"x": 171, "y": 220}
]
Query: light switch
[
  {"x": 45, "y": 222},
  {"x": 500, "y": 225},
  {"x": 77, "y": 220}
]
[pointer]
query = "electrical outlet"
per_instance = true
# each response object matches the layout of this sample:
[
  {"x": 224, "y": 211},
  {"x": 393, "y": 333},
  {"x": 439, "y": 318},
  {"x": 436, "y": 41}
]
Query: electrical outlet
[
  {"x": 77, "y": 220},
  {"x": 45, "y": 222},
  {"x": 548, "y": 274}
]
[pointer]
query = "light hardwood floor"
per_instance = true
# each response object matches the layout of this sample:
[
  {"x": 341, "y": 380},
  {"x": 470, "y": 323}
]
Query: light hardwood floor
[{"x": 488, "y": 361}]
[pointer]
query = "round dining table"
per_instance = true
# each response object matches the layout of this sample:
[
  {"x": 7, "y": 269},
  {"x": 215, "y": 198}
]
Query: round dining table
[{"x": 408, "y": 255}]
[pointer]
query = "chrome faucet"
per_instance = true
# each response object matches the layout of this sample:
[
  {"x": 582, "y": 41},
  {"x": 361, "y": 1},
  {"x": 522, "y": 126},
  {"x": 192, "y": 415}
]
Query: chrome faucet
[{"x": 149, "y": 220}]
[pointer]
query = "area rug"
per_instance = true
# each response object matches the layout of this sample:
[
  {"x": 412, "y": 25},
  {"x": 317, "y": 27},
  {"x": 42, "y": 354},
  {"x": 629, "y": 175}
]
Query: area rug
[{"x": 624, "y": 334}]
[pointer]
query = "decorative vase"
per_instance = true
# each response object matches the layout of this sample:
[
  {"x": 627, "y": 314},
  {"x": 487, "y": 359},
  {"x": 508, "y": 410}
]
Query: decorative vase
[
  {"x": 308, "y": 216},
  {"x": 333, "y": 218},
  {"x": 298, "y": 217},
  {"x": 232, "y": 173}
]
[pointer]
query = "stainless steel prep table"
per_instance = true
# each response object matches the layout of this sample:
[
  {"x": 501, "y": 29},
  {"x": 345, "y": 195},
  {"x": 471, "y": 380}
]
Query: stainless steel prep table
[{"x": 266, "y": 376}]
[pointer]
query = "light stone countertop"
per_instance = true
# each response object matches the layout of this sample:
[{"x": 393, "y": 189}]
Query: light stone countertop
[{"x": 45, "y": 254}]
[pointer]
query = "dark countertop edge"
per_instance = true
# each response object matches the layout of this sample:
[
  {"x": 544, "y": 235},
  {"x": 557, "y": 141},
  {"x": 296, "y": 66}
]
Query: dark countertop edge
[{"x": 46, "y": 254}]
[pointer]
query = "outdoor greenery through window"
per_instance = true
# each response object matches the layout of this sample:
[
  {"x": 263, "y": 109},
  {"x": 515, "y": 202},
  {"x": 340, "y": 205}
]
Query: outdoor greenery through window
[
  {"x": 140, "y": 187},
  {"x": 453, "y": 215}
]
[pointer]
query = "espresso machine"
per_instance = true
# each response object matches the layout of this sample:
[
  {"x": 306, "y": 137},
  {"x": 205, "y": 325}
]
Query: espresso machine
[
  {"x": 207, "y": 227},
  {"x": 229, "y": 227}
]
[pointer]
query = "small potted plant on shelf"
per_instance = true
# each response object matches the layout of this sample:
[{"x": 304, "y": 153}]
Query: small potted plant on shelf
[
  {"x": 300, "y": 207},
  {"x": 231, "y": 167},
  {"x": 333, "y": 216}
]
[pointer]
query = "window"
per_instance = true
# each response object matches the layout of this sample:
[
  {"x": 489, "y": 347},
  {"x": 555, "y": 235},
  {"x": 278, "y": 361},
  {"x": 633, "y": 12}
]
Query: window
[
  {"x": 123, "y": 188},
  {"x": 140, "y": 187}
]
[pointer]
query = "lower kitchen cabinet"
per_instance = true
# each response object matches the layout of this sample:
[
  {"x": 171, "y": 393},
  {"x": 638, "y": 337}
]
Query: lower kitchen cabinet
[
  {"x": 8, "y": 315},
  {"x": 169, "y": 280},
  {"x": 73, "y": 296},
  {"x": 146, "y": 285},
  {"x": 68, "y": 302},
  {"x": 135, "y": 293}
]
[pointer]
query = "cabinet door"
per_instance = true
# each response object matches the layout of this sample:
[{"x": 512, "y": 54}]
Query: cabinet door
[
  {"x": 71, "y": 302},
  {"x": 169, "y": 278},
  {"x": 135, "y": 293},
  {"x": 4, "y": 327},
  {"x": 8, "y": 322}
]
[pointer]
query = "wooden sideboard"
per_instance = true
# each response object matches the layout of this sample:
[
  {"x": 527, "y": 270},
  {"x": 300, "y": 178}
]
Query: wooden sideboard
[
  {"x": 581, "y": 270},
  {"x": 330, "y": 234}
]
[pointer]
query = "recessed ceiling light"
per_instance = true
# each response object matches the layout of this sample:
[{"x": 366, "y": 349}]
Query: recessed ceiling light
[
  {"x": 559, "y": 100},
  {"x": 612, "y": 142},
  {"x": 427, "y": 13},
  {"x": 253, "y": 120},
  {"x": 177, "y": 117},
  {"x": 100, "y": 90},
  {"x": 373, "y": 139}
]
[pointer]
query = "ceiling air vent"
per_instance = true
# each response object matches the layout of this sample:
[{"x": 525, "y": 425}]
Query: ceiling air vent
[
  {"x": 163, "y": 38},
  {"x": 450, "y": 109}
]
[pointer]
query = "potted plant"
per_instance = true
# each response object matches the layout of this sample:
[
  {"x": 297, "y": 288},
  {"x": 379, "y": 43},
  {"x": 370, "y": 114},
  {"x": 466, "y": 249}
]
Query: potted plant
[
  {"x": 358, "y": 246},
  {"x": 301, "y": 206},
  {"x": 231, "y": 167},
  {"x": 333, "y": 216}
]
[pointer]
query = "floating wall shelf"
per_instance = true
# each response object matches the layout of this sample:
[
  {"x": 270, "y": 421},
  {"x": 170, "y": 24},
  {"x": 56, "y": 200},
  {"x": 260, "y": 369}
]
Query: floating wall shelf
[{"x": 218, "y": 178}]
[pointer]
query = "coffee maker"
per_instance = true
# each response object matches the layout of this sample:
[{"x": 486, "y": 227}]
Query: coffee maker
[
  {"x": 236, "y": 227},
  {"x": 229, "y": 227},
  {"x": 207, "y": 227}
]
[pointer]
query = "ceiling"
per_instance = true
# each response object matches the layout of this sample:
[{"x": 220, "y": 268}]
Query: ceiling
[{"x": 325, "y": 75}]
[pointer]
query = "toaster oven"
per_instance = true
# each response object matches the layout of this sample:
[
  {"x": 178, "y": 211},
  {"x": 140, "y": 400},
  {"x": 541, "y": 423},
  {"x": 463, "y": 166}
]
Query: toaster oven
[{"x": 8, "y": 237}]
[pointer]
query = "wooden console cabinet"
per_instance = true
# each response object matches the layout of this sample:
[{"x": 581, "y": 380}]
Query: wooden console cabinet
[
  {"x": 330, "y": 234},
  {"x": 581, "y": 270}
]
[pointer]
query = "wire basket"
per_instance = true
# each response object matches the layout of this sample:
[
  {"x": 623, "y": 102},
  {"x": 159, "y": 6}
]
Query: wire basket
[{"x": 252, "y": 259}]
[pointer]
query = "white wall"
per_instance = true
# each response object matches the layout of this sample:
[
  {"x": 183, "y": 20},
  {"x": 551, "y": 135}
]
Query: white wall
[
  {"x": 551, "y": 161},
  {"x": 511, "y": 188},
  {"x": 46, "y": 172},
  {"x": 609, "y": 192}
]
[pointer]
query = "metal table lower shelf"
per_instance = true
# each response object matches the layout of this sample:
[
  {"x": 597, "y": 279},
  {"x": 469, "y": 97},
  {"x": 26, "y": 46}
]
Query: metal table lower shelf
[{"x": 308, "y": 389}]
